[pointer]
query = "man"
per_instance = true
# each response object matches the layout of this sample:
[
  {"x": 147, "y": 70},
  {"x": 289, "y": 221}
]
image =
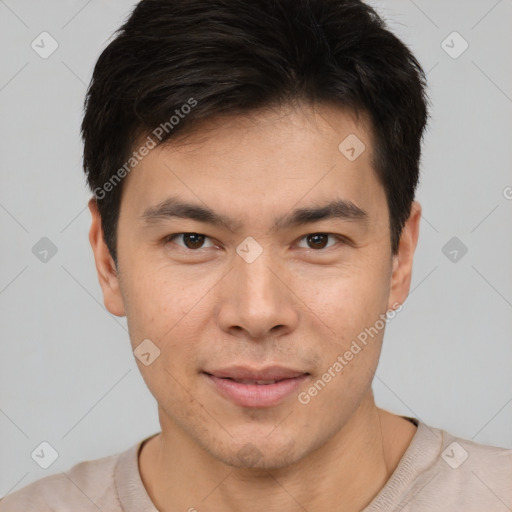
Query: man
[{"x": 254, "y": 165}]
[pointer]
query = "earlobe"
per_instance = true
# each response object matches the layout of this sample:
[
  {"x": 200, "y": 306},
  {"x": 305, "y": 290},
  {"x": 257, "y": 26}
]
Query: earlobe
[
  {"x": 105, "y": 266},
  {"x": 403, "y": 260}
]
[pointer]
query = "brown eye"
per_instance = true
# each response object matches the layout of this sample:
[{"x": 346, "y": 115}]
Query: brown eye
[
  {"x": 317, "y": 240},
  {"x": 191, "y": 241}
]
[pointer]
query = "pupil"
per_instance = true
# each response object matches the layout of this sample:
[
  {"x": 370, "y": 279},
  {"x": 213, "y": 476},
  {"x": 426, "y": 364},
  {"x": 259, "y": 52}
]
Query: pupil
[
  {"x": 315, "y": 238},
  {"x": 194, "y": 245}
]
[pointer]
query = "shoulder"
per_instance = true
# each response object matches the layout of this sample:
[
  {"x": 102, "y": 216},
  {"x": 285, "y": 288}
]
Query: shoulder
[
  {"x": 463, "y": 474},
  {"x": 87, "y": 486},
  {"x": 461, "y": 458},
  {"x": 442, "y": 472}
]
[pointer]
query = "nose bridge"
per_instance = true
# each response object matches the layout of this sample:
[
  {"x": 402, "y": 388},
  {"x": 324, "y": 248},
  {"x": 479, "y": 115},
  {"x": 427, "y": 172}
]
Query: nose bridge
[
  {"x": 255, "y": 271},
  {"x": 255, "y": 299},
  {"x": 257, "y": 277}
]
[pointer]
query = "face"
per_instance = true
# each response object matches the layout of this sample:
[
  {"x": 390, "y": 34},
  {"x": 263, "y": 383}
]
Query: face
[{"x": 260, "y": 281}]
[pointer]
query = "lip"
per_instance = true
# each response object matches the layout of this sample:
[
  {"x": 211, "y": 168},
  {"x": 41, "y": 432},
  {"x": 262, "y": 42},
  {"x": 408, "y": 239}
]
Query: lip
[
  {"x": 256, "y": 395},
  {"x": 247, "y": 373}
]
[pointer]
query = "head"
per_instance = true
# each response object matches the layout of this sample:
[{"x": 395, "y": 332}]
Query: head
[{"x": 254, "y": 166}]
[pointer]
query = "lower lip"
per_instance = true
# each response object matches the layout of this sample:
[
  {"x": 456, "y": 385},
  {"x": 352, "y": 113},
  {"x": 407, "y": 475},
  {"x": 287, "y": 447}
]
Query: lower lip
[{"x": 256, "y": 395}]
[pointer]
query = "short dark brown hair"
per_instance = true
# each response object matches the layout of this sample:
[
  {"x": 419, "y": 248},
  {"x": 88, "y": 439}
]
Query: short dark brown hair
[{"x": 222, "y": 57}]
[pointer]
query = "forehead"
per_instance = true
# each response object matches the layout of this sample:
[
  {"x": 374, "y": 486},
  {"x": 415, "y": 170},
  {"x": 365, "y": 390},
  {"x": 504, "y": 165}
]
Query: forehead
[{"x": 261, "y": 164}]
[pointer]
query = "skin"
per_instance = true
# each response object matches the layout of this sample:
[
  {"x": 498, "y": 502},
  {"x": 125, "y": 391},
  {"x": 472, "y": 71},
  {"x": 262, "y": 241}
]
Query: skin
[{"x": 296, "y": 305}]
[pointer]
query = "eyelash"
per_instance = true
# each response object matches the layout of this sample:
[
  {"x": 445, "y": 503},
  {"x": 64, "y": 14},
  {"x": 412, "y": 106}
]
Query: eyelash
[{"x": 171, "y": 238}]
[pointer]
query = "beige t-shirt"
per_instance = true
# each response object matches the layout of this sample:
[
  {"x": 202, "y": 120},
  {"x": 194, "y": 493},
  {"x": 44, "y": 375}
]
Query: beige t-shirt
[{"x": 438, "y": 472}]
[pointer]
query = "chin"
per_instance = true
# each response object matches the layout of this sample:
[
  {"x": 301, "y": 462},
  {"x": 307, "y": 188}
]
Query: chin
[{"x": 259, "y": 452}]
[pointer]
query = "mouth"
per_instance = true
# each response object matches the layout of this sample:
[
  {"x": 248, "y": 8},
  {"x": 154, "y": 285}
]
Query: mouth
[
  {"x": 247, "y": 381},
  {"x": 245, "y": 391}
]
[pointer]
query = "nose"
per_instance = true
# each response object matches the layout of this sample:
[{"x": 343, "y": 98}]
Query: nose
[{"x": 256, "y": 301}]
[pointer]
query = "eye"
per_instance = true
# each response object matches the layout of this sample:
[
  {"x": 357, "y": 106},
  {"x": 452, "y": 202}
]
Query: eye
[
  {"x": 191, "y": 241},
  {"x": 196, "y": 241},
  {"x": 319, "y": 240}
]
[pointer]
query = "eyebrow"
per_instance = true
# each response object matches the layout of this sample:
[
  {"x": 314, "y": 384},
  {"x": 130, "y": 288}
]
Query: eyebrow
[{"x": 173, "y": 207}]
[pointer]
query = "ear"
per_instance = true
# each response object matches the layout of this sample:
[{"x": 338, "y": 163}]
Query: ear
[
  {"x": 402, "y": 261},
  {"x": 105, "y": 266}
]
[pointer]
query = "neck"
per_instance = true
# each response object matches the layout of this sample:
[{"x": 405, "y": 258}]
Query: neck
[{"x": 345, "y": 473}]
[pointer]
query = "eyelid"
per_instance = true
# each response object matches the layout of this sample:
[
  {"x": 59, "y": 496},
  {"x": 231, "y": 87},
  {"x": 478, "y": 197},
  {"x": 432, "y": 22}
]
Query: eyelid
[
  {"x": 171, "y": 237},
  {"x": 340, "y": 238}
]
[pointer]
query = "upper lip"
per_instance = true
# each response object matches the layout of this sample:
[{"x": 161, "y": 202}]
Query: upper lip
[{"x": 247, "y": 373}]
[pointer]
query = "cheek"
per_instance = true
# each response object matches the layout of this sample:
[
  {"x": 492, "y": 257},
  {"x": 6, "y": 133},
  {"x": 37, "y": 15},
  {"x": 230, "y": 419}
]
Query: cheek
[
  {"x": 347, "y": 309},
  {"x": 173, "y": 314},
  {"x": 160, "y": 314},
  {"x": 348, "y": 300},
  {"x": 156, "y": 303}
]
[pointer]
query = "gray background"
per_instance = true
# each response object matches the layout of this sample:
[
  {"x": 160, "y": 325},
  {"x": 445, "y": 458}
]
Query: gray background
[{"x": 67, "y": 374}]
